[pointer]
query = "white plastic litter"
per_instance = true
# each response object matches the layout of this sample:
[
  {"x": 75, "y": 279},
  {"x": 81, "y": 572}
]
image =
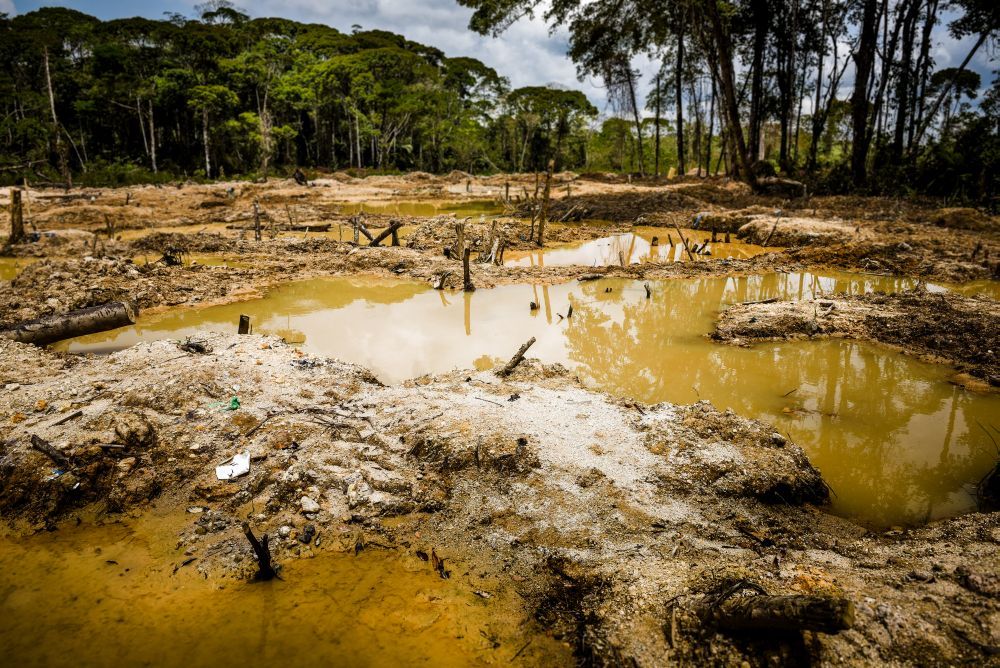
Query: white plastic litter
[{"x": 233, "y": 468}]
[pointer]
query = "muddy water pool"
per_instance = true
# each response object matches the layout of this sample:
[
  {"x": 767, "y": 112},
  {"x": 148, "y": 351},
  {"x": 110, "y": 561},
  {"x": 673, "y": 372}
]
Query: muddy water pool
[
  {"x": 897, "y": 442},
  {"x": 117, "y": 595},
  {"x": 10, "y": 267},
  {"x": 642, "y": 244}
]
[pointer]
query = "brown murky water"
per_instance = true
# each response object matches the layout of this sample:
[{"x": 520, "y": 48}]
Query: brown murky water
[
  {"x": 427, "y": 208},
  {"x": 633, "y": 248},
  {"x": 10, "y": 267},
  {"x": 896, "y": 441},
  {"x": 109, "y": 596}
]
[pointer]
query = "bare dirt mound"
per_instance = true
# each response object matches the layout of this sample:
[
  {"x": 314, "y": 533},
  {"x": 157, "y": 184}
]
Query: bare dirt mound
[
  {"x": 791, "y": 232},
  {"x": 962, "y": 330}
]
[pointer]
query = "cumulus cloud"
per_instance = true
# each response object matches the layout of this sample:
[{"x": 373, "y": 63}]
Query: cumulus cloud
[{"x": 7, "y": 7}]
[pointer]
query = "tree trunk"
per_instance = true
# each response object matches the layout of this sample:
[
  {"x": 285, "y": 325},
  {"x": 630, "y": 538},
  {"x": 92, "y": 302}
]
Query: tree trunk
[
  {"x": 711, "y": 130},
  {"x": 16, "y": 218},
  {"x": 904, "y": 77},
  {"x": 545, "y": 205},
  {"x": 205, "y": 138},
  {"x": 630, "y": 78},
  {"x": 152, "y": 138},
  {"x": 656, "y": 130},
  {"x": 679, "y": 96},
  {"x": 864, "y": 62},
  {"x": 52, "y": 328},
  {"x": 727, "y": 81},
  {"x": 61, "y": 150},
  {"x": 761, "y": 16}
]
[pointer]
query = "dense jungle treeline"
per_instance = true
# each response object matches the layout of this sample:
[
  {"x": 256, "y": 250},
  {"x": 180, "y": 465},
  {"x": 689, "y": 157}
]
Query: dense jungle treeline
[{"x": 741, "y": 82}]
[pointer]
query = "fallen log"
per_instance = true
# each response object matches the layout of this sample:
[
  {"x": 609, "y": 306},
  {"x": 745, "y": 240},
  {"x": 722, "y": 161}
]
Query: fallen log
[
  {"x": 52, "y": 328},
  {"x": 589, "y": 277},
  {"x": 763, "y": 612},
  {"x": 516, "y": 359}
]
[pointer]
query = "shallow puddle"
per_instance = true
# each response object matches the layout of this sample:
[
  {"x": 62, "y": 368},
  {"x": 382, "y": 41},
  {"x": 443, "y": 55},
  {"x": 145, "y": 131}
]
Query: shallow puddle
[
  {"x": 896, "y": 441},
  {"x": 10, "y": 267},
  {"x": 109, "y": 596},
  {"x": 642, "y": 244},
  {"x": 428, "y": 208}
]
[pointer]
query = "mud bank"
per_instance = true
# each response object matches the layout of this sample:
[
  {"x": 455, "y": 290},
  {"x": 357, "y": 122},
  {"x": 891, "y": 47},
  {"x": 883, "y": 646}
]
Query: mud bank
[
  {"x": 615, "y": 519},
  {"x": 960, "y": 330}
]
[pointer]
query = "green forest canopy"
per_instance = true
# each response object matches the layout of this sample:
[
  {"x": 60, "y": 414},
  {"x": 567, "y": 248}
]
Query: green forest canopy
[{"x": 140, "y": 99}]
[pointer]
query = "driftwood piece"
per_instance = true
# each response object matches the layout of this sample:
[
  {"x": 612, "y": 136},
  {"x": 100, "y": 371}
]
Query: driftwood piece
[
  {"x": 392, "y": 229},
  {"x": 589, "y": 277},
  {"x": 265, "y": 570},
  {"x": 244, "y": 327},
  {"x": 50, "y": 451},
  {"x": 516, "y": 359},
  {"x": 761, "y": 612},
  {"x": 52, "y": 328}
]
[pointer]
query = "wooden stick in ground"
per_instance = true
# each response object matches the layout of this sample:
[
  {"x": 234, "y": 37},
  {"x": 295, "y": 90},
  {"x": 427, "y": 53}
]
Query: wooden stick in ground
[
  {"x": 265, "y": 570},
  {"x": 256, "y": 221},
  {"x": 516, "y": 359},
  {"x": 393, "y": 227},
  {"x": 395, "y": 236},
  {"x": 244, "y": 325},
  {"x": 773, "y": 228},
  {"x": 545, "y": 203},
  {"x": 460, "y": 239},
  {"x": 467, "y": 280},
  {"x": 52, "y": 328},
  {"x": 683, "y": 241},
  {"x": 16, "y": 217},
  {"x": 47, "y": 449},
  {"x": 785, "y": 613}
]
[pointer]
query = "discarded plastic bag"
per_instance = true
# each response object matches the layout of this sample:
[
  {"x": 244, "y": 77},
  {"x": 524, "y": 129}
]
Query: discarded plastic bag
[{"x": 233, "y": 468}]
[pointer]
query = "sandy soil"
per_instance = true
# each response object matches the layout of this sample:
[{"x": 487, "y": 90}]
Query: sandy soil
[{"x": 618, "y": 520}]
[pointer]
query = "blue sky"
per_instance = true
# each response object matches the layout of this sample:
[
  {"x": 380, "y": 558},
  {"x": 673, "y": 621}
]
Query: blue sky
[{"x": 527, "y": 53}]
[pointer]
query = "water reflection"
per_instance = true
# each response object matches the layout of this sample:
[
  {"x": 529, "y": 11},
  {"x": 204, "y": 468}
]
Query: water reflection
[
  {"x": 897, "y": 443},
  {"x": 428, "y": 208},
  {"x": 634, "y": 247}
]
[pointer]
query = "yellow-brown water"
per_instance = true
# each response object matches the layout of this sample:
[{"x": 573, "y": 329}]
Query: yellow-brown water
[
  {"x": 10, "y": 267},
  {"x": 896, "y": 441},
  {"x": 109, "y": 596},
  {"x": 424, "y": 208},
  {"x": 633, "y": 248}
]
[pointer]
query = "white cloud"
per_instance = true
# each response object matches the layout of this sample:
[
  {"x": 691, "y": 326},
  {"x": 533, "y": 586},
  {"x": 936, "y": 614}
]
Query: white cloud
[{"x": 7, "y": 7}]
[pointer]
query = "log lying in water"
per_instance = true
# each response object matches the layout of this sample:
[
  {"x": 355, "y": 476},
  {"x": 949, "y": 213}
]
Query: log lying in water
[{"x": 52, "y": 328}]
